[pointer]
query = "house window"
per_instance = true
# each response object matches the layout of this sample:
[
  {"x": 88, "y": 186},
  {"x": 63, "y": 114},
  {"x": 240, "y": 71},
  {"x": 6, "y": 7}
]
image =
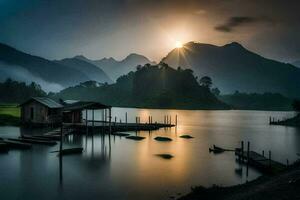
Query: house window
[{"x": 31, "y": 113}]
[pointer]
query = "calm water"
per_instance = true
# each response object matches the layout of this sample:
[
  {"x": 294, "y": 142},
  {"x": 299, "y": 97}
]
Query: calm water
[{"x": 128, "y": 169}]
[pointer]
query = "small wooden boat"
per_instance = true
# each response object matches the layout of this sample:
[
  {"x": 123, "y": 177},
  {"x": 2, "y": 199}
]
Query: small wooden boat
[
  {"x": 163, "y": 139},
  {"x": 77, "y": 150},
  {"x": 120, "y": 134},
  {"x": 3, "y": 147},
  {"x": 51, "y": 137},
  {"x": 33, "y": 141},
  {"x": 17, "y": 145},
  {"x": 216, "y": 149}
]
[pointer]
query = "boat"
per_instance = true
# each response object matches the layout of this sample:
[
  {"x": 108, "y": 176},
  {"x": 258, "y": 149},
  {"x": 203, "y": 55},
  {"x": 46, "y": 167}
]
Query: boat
[
  {"x": 77, "y": 150},
  {"x": 216, "y": 149},
  {"x": 34, "y": 141},
  {"x": 3, "y": 147},
  {"x": 17, "y": 144},
  {"x": 120, "y": 134}
]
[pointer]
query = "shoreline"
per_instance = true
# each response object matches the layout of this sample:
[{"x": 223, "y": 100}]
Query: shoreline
[{"x": 284, "y": 185}]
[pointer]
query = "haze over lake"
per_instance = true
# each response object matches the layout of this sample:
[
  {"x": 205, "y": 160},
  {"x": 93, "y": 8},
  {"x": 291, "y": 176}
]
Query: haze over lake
[{"x": 126, "y": 169}]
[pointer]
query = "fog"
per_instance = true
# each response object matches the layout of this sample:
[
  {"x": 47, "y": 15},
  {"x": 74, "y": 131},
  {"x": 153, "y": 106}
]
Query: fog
[{"x": 19, "y": 73}]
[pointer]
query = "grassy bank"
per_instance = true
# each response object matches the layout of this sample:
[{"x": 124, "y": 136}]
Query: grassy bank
[
  {"x": 9, "y": 115},
  {"x": 278, "y": 187}
]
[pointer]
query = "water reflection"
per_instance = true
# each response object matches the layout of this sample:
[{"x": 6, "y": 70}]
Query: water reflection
[{"x": 117, "y": 168}]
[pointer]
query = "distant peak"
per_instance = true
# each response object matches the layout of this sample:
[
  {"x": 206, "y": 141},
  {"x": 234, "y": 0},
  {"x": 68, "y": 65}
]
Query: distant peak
[
  {"x": 108, "y": 59},
  {"x": 234, "y": 44},
  {"x": 80, "y": 57},
  {"x": 135, "y": 55}
]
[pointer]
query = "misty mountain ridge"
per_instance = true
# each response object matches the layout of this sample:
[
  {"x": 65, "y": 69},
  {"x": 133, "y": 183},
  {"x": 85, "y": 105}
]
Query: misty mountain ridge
[
  {"x": 114, "y": 68},
  {"x": 232, "y": 67},
  {"x": 91, "y": 71},
  {"x": 18, "y": 65}
]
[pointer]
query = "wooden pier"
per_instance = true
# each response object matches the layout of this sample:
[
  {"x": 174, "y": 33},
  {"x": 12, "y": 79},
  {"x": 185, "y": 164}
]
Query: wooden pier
[
  {"x": 106, "y": 127},
  {"x": 259, "y": 161}
]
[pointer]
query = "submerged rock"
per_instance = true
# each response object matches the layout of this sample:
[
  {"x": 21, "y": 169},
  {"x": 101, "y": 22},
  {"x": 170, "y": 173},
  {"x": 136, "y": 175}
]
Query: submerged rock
[
  {"x": 135, "y": 138},
  {"x": 163, "y": 139},
  {"x": 186, "y": 136},
  {"x": 165, "y": 156}
]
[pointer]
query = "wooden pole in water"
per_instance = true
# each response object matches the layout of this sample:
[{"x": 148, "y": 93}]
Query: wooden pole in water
[
  {"x": 149, "y": 119},
  {"x": 86, "y": 121},
  {"x": 270, "y": 159},
  {"x": 61, "y": 138},
  {"x": 242, "y": 149},
  {"x": 176, "y": 120},
  {"x": 93, "y": 121},
  {"x": 248, "y": 151},
  {"x": 263, "y": 153},
  {"x": 115, "y": 119},
  {"x": 170, "y": 120},
  {"x": 126, "y": 117},
  {"x": 109, "y": 121}
]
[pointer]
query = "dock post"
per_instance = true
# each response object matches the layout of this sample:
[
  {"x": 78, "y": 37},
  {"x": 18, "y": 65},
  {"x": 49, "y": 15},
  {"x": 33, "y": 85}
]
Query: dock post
[
  {"x": 164, "y": 119},
  {"x": 86, "y": 121},
  {"x": 248, "y": 151},
  {"x": 93, "y": 123},
  {"x": 170, "y": 119},
  {"x": 115, "y": 119},
  {"x": 149, "y": 119},
  {"x": 126, "y": 117},
  {"x": 270, "y": 159},
  {"x": 263, "y": 153},
  {"x": 176, "y": 120},
  {"x": 61, "y": 138},
  {"x": 109, "y": 122},
  {"x": 242, "y": 149}
]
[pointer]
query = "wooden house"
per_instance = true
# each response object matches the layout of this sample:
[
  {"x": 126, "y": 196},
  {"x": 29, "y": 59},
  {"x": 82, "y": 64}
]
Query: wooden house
[{"x": 41, "y": 111}]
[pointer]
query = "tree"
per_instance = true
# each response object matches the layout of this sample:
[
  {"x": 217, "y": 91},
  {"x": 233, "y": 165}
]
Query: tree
[
  {"x": 206, "y": 82},
  {"x": 216, "y": 91},
  {"x": 296, "y": 105}
]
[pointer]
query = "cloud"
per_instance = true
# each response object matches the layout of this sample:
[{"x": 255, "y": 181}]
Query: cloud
[
  {"x": 19, "y": 73},
  {"x": 237, "y": 21}
]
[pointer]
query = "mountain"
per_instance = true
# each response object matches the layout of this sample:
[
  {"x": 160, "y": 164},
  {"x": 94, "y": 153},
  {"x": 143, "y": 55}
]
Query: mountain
[
  {"x": 232, "y": 67},
  {"x": 115, "y": 68},
  {"x": 296, "y": 63},
  {"x": 151, "y": 86},
  {"x": 91, "y": 71},
  {"x": 24, "y": 67}
]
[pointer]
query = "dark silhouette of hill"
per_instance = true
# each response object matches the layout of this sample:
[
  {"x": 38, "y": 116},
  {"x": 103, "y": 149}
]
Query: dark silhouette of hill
[
  {"x": 232, "y": 67},
  {"x": 296, "y": 63},
  {"x": 91, "y": 71},
  {"x": 42, "y": 68},
  {"x": 255, "y": 101},
  {"x": 151, "y": 86},
  {"x": 114, "y": 69}
]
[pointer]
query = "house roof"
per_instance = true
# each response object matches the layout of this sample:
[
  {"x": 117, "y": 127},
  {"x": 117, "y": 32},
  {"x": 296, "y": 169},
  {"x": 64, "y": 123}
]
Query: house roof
[
  {"x": 82, "y": 105},
  {"x": 50, "y": 103}
]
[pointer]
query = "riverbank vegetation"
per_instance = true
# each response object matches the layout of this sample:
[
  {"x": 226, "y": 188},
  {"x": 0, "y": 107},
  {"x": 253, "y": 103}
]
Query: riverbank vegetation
[
  {"x": 151, "y": 86},
  {"x": 9, "y": 115}
]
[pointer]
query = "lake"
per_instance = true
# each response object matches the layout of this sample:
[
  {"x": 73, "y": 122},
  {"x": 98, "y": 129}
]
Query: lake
[{"x": 124, "y": 169}]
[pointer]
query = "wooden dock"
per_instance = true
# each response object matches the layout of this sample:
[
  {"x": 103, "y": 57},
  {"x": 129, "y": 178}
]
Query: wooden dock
[
  {"x": 102, "y": 126},
  {"x": 260, "y": 162}
]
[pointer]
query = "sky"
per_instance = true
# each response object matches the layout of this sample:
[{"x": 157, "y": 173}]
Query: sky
[{"x": 56, "y": 29}]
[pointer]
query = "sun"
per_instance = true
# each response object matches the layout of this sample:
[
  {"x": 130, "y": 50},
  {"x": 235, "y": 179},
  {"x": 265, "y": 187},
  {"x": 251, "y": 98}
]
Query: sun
[{"x": 178, "y": 44}]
